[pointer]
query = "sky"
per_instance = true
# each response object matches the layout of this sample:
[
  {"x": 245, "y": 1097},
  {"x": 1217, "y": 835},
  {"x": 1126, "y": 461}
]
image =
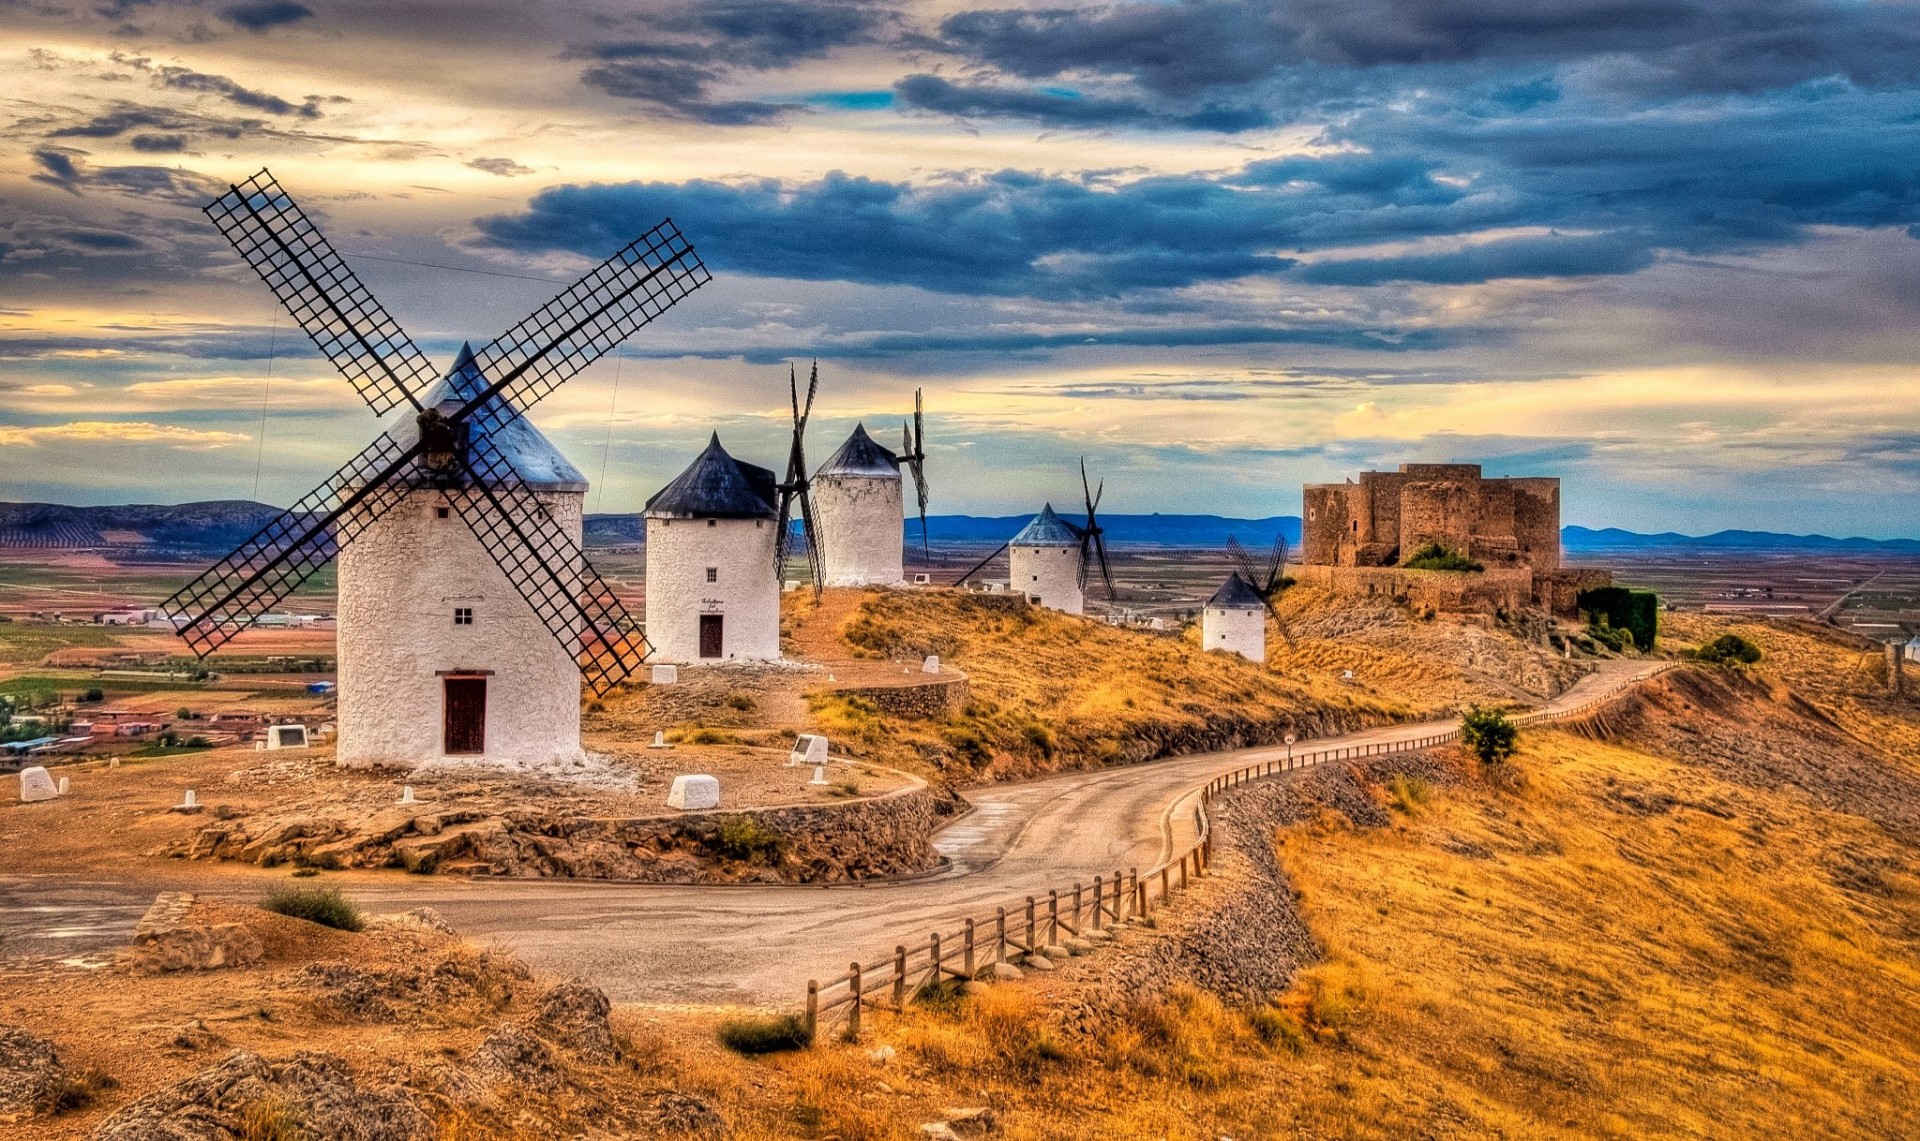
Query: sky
[{"x": 1667, "y": 250}]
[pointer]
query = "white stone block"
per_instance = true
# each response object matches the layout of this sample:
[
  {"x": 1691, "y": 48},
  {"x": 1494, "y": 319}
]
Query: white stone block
[
  {"x": 931, "y": 665},
  {"x": 694, "y": 791},
  {"x": 64, "y": 786},
  {"x": 659, "y": 740},
  {"x": 808, "y": 749},
  {"x": 666, "y": 675},
  {"x": 36, "y": 784},
  {"x": 819, "y": 775}
]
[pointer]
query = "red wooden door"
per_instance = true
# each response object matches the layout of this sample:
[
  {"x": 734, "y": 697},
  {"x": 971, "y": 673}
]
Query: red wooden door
[
  {"x": 466, "y": 717},
  {"x": 710, "y": 634}
]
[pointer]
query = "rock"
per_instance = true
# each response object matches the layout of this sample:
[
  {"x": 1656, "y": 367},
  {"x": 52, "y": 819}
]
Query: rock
[
  {"x": 972, "y": 1119},
  {"x": 574, "y": 1015},
  {"x": 998, "y": 972},
  {"x": 694, "y": 791},
  {"x": 513, "y": 1054},
  {"x": 36, "y": 785},
  {"x": 939, "y": 1131},
  {"x": 1097, "y": 937},
  {"x": 1037, "y": 963},
  {"x": 1077, "y": 946},
  {"x": 315, "y": 1090},
  {"x": 666, "y": 675},
  {"x": 197, "y": 947},
  {"x": 972, "y": 986},
  {"x": 677, "y": 1114},
  {"x": 424, "y": 918},
  {"x": 31, "y": 1075}
]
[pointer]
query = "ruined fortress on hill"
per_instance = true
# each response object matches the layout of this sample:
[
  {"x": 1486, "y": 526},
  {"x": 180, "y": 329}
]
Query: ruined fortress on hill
[{"x": 1357, "y": 536}]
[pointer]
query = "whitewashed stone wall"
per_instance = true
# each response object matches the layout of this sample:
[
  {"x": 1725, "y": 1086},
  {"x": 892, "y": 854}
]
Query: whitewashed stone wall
[
  {"x": 1236, "y": 630},
  {"x": 861, "y": 537},
  {"x": 679, "y": 551},
  {"x": 399, "y": 584},
  {"x": 1049, "y": 574}
]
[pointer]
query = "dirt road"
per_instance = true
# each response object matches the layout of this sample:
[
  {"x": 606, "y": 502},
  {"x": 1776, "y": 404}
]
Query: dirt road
[{"x": 756, "y": 946}]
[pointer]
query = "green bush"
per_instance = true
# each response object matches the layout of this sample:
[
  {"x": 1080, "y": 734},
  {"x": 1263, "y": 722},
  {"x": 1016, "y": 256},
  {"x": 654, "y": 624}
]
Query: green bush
[
  {"x": 969, "y": 745},
  {"x": 748, "y": 838},
  {"x": 767, "y": 1035},
  {"x": 1040, "y": 737},
  {"x": 1489, "y": 733},
  {"x": 1635, "y": 611},
  {"x": 1433, "y": 556},
  {"x": 322, "y": 905},
  {"x": 1727, "y": 649},
  {"x": 93, "y": 695}
]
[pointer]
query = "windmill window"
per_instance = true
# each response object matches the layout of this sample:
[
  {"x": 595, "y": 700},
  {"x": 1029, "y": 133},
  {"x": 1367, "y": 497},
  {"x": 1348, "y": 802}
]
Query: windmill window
[
  {"x": 713, "y": 574},
  {"x": 463, "y": 616},
  {"x": 713, "y": 522},
  {"x": 441, "y": 512}
]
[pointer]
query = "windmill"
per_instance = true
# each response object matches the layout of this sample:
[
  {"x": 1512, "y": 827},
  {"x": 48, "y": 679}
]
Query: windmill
[
  {"x": 859, "y": 496},
  {"x": 798, "y": 486},
  {"x": 464, "y": 453},
  {"x": 1266, "y": 583},
  {"x": 1050, "y": 559},
  {"x": 913, "y": 453}
]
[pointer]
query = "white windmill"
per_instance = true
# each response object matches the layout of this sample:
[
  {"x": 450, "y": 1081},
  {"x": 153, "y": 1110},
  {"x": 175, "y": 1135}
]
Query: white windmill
[
  {"x": 468, "y": 613},
  {"x": 1050, "y": 559},
  {"x": 1235, "y": 618},
  {"x": 860, "y": 497},
  {"x": 713, "y": 593}
]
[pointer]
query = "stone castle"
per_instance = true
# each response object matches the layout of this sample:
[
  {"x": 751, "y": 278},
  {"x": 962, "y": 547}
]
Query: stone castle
[{"x": 1356, "y": 537}]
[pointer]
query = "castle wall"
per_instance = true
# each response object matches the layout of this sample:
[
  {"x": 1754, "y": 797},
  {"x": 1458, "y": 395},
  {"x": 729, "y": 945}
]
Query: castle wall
[
  {"x": 400, "y": 581},
  {"x": 1536, "y": 521},
  {"x": 861, "y": 537},
  {"x": 1386, "y": 517},
  {"x": 745, "y": 590},
  {"x": 1494, "y": 591},
  {"x": 1235, "y": 630},
  {"x": 1326, "y": 524},
  {"x": 1436, "y": 511},
  {"x": 1050, "y": 576}
]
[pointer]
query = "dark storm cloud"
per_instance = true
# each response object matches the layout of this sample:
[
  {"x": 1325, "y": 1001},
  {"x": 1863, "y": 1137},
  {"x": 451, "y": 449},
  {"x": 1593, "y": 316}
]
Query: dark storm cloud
[
  {"x": 199, "y": 82},
  {"x": 684, "y": 53},
  {"x": 122, "y": 117},
  {"x": 1057, "y": 109},
  {"x": 262, "y": 16},
  {"x": 70, "y": 170}
]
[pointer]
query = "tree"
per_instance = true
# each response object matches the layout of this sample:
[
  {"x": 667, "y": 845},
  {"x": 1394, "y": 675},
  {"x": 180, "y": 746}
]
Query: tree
[{"x": 1489, "y": 733}]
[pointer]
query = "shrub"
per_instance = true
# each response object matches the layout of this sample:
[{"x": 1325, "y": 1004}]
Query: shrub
[
  {"x": 742, "y": 702},
  {"x": 1489, "y": 733},
  {"x": 271, "y": 1119},
  {"x": 93, "y": 695},
  {"x": 1635, "y": 611},
  {"x": 1727, "y": 649},
  {"x": 79, "y": 1091},
  {"x": 1408, "y": 792},
  {"x": 322, "y": 905},
  {"x": 748, "y": 838},
  {"x": 1277, "y": 1027},
  {"x": 1040, "y": 737},
  {"x": 766, "y": 1035},
  {"x": 969, "y": 745},
  {"x": 1433, "y": 556}
]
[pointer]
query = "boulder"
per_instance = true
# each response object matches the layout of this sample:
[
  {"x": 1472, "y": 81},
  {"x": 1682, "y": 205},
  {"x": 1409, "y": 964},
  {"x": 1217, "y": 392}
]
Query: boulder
[
  {"x": 31, "y": 1075},
  {"x": 998, "y": 972},
  {"x": 574, "y": 1015},
  {"x": 315, "y": 1090},
  {"x": 513, "y": 1055},
  {"x": 694, "y": 791}
]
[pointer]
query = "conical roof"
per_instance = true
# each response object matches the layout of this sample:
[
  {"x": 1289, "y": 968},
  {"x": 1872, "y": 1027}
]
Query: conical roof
[
  {"x": 861, "y": 455},
  {"x": 514, "y": 438},
  {"x": 717, "y": 486},
  {"x": 1048, "y": 530},
  {"x": 1235, "y": 594}
]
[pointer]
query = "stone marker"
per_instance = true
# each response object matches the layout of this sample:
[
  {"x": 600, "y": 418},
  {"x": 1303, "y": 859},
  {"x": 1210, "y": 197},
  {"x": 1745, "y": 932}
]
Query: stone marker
[
  {"x": 64, "y": 786},
  {"x": 659, "y": 740},
  {"x": 114, "y": 763},
  {"x": 190, "y": 804},
  {"x": 35, "y": 785},
  {"x": 406, "y": 794},
  {"x": 931, "y": 665},
  {"x": 819, "y": 775},
  {"x": 694, "y": 791},
  {"x": 666, "y": 675},
  {"x": 808, "y": 749}
]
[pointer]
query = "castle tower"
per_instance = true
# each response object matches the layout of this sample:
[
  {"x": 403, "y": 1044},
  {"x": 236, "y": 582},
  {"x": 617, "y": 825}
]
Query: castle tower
[
  {"x": 440, "y": 659},
  {"x": 1235, "y": 621},
  {"x": 1043, "y": 562},
  {"x": 712, "y": 592},
  {"x": 857, "y": 494}
]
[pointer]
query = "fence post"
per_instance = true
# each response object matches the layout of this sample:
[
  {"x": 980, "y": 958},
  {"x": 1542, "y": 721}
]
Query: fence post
[
  {"x": 1165, "y": 889},
  {"x": 934, "y": 951},
  {"x": 1076, "y": 907},
  {"x": 1031, "y": 945},
  {"x": 1119, "y": 887},
  {"x": 966, "y": 952},
  {"x": 1099, "y": 900},
  {"x": 1053, "y": 917},
  {"x": 1000, "y": 934},
  {"x": 813, "y": 1007},
  {"x": 1139, "y": 893},
  {"x": 853, "y": 1011},
  {"x": 900, "y": 977}
]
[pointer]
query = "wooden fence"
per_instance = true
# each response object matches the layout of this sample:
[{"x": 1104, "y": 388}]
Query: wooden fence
[{"x": 1082, "y": 910}]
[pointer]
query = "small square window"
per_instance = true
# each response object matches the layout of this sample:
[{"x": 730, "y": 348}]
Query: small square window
[
  {"x": 713, "y": 522},
  {"x": 713, "y": 574},
  {"x": 442, "y": 512},
  {"x": 463, "y": 616}
]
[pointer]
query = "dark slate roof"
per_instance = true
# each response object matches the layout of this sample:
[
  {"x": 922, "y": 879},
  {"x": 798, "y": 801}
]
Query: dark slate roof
[
  {"x": 1235, "y": 594},
  {"x": 532, "y": 455},
  {"x": 861, "y": 455},
  {"x": 717, "y": 486},
  {"x": 1048, "y": 530}
]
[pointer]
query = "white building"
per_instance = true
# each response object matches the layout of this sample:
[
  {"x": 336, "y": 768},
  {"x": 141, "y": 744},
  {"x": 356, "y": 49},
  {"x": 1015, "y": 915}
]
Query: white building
[
  {"x": 1913, "y": 648},
  {"x": 1235, "y": 621},
  {"x": 1043, "y": 562},
  {"x": 860, "y": 506},
  {"x": 712, "y": 590},
  {"x": 441, "y": 660}
]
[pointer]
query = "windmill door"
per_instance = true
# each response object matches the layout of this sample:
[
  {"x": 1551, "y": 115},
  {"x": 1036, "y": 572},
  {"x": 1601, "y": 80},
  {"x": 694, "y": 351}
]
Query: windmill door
[
  {"x": 711, "y": 626},
  {"x": 465, "y": 733}
]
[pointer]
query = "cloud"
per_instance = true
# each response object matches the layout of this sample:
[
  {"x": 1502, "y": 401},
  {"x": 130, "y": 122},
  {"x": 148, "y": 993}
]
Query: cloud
[
  {"x": 259, "y": 17},
  {"x": 504, "y": 167},
  {"x": 1065, "y": 109},
  {"x": 200, "y": 82},
  {"x": 119, "y": 432},
  {"x": 68, "y": 169}
]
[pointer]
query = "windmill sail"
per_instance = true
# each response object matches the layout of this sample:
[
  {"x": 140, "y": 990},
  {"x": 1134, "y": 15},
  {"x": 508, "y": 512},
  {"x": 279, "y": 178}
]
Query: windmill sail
[
  {"x": 1093, "y": 540},
  {"x": 913, "y": 453},
  {"x": 798, "y": 485},
  {"x": 1267, "y": 585}
]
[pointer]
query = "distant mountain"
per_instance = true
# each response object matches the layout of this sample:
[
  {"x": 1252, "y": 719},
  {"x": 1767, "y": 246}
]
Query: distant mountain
[
  {"x": 1580, "y": 539},
  {"x": 223, "y": 524}
]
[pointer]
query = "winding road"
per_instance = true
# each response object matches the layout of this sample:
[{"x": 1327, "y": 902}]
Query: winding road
[{"x": 758, "y": 945}]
